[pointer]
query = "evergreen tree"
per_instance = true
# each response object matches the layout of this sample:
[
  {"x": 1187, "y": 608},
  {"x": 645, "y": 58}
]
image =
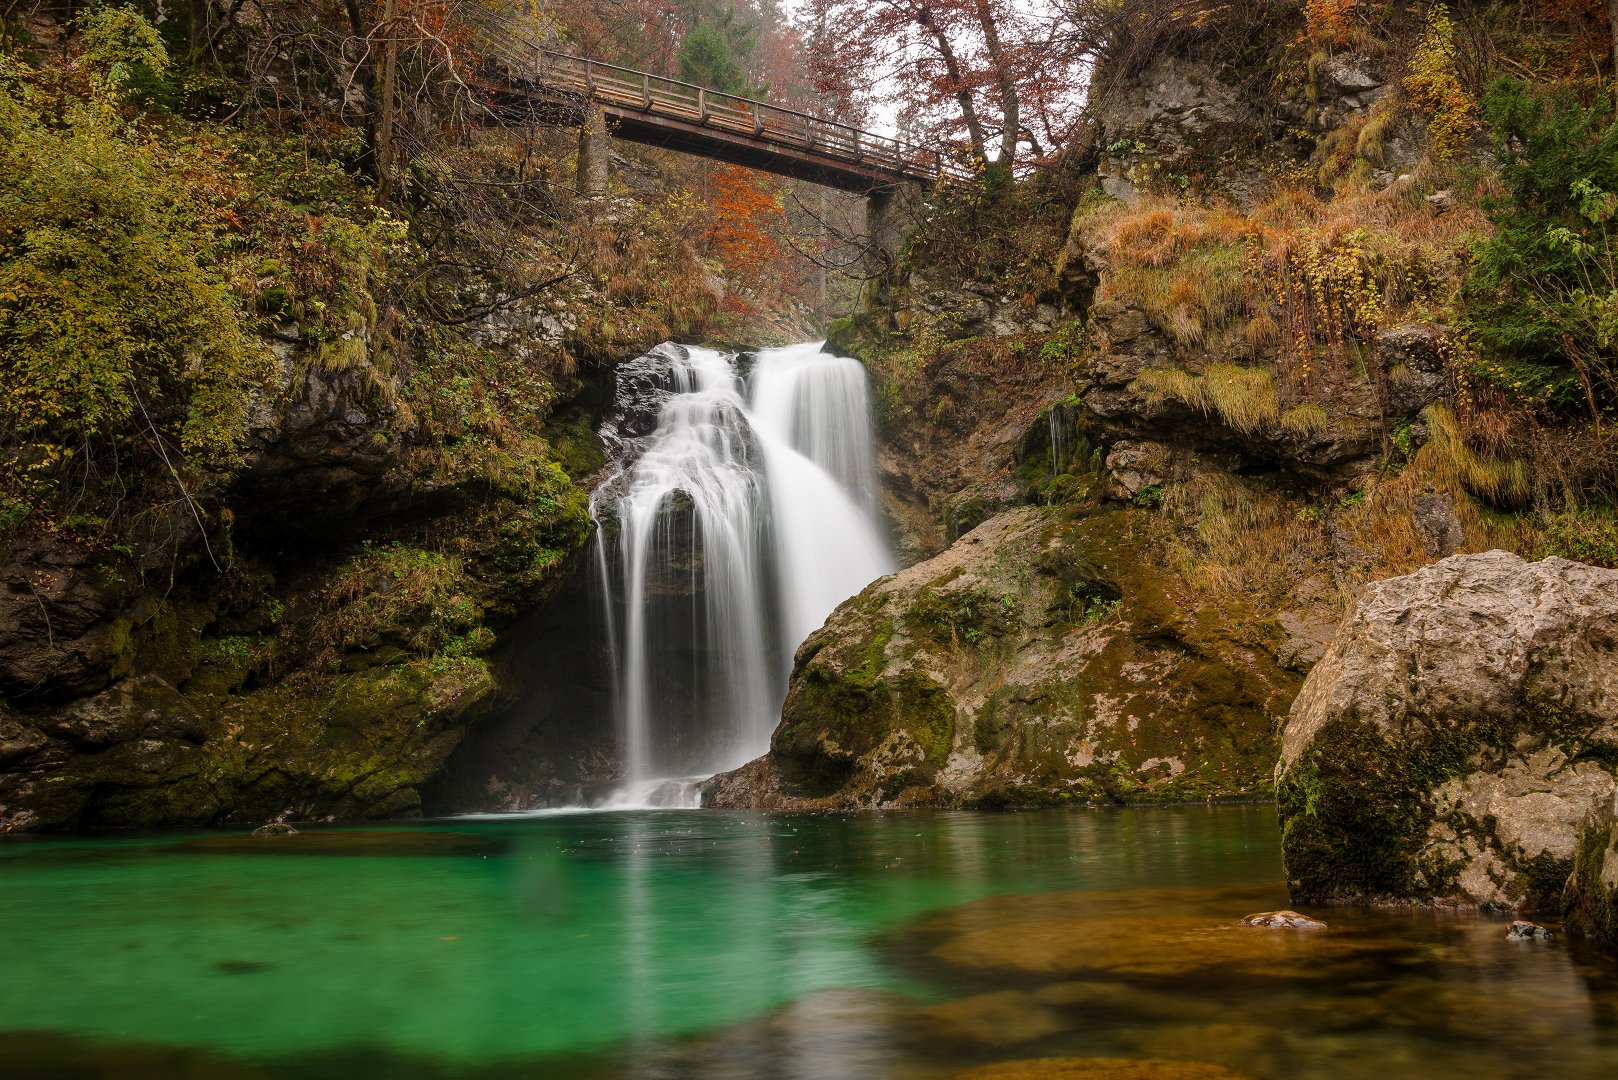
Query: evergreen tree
[
  {"x": 1543, "y": 296},
  {"x": 715, "y": 53}
]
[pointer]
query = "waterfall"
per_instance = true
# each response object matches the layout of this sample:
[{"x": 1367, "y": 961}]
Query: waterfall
[{"x": 742, "y": 511}]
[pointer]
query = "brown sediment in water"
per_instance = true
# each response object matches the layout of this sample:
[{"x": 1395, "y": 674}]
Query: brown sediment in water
[
  {"x": 1101, "y": 1069},
  {"x": 1143, "y": 945},
  {"x": 1000, "y": 1018},
  {"x": 1138, "y": 932},
  {"x": 395, "y": 843}
]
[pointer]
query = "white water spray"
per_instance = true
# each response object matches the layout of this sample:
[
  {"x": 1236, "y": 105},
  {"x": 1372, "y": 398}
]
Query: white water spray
[{"x": 740, "y": 519}]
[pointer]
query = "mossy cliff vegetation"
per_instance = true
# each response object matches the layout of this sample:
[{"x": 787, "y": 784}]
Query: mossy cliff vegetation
[
  {"x": 292, "y": 430},
  {"x": 1325, "y": 296}
]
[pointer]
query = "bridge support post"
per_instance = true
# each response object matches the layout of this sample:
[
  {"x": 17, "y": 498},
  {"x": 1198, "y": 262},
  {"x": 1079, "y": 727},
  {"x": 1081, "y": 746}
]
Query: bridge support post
[
  {"x": 891, "y": 215},
  {"x": 595, "y": 153}
]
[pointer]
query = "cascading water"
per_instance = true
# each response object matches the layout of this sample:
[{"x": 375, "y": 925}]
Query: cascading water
[{"x": 742, "y": 512}]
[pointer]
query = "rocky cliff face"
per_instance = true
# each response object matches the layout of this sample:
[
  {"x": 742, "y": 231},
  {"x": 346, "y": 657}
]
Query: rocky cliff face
[
  {"x": 1458, "y": 742},
  {"x": 329, "y": 660},
  {"x": 1043, "y": 658},
  {"x": 1232, "y": 342}
]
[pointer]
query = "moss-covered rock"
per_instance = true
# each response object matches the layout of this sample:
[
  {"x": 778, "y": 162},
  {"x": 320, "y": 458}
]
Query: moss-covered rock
[
  {"x": 1043, "y": 658},
  {"x": 334, "y": 692},
  {"x": 1590, "y": 902},
  {"x": 1458, "y": 738}
]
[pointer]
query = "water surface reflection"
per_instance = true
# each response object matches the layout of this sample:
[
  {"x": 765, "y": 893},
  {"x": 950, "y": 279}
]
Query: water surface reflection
[{"x": 699, "y": 944}]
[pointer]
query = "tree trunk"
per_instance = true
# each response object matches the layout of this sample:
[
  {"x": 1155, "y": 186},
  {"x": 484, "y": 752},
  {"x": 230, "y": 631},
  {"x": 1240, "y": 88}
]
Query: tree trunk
[
  {"x": 366, "y": 74},
  {"x": 385, "y": 156},
  {"x": 1009, "y": 104},
  {"x": 199, "y": 27},
  {"x": 1612, "y": 24},
  {"x": 963, "y": 93}
]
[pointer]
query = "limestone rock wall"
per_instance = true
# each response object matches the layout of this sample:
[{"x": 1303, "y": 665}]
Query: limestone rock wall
[{"x": 327, "y": 658}]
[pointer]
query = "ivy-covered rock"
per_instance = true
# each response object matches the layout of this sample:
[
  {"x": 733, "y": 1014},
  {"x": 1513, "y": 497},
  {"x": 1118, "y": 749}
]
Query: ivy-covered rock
[
  {"x": 1041, "y": 659},
  {"x": 1459, "y": 740}
]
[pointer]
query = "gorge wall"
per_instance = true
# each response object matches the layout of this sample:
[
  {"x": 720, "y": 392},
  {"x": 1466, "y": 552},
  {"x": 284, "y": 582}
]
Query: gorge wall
[
  {"x": 289, "y": 570},
  {"x": 1154, "y": 416},
  {"x": 1146, "y": 455}
]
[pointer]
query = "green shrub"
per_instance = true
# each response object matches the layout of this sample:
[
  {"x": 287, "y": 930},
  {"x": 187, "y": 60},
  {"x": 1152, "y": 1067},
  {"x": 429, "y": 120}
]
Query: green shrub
[
  {"x": 140, "y": 257},
  {"x": 1542, "y": 297},
  {"x": 115, "y": 323}
]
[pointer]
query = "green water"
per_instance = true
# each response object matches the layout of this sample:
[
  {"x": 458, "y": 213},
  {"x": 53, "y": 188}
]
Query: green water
[{"x": 702, "y": 944}]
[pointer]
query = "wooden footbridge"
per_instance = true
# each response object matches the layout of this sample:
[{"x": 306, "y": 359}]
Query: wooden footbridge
[{"x": 527, "y": 80}]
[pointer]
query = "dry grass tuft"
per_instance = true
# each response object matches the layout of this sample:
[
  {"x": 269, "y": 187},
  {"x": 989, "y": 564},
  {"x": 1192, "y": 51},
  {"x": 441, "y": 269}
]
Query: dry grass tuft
[
  {"x": 1242, "y": 544},
  {"x": 1449, "y": 455},
  {"x": 1307, "y": 420},
  {"x": 1307, "y": 281},
  {"x": 1243, "y": 397},
  {"x": 1184, "y": 266}
]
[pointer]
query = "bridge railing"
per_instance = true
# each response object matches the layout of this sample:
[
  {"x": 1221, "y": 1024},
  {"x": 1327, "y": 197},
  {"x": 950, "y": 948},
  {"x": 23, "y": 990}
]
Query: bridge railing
[{"x": 631, "y": 90}]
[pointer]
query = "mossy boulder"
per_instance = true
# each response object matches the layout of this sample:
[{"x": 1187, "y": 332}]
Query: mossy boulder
[
  {"x": 1044, "y": 658},
  {"x": 1458, "y": 738},
  {"x": 143, "y": 753}
]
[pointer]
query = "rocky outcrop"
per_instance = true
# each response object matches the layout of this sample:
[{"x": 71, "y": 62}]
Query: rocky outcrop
[
  {"x": 1158, "y": 403},
  {"x": 1184, "y": 114},
  {"x": 321, "y": 446},
  {"x": 1041, "y": 659},
  {"x": 329, "y": 660},
  {"x": 958, "y": 423},
  {"x": 144, "y": 752},
  {"x": 1459, "y": 740},
  {"x": 1164, "y": 117}
]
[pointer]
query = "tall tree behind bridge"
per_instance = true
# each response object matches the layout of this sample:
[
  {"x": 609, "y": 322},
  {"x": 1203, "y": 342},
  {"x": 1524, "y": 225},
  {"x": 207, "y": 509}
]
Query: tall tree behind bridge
[
  {"x": 716, "y": 52},
  {"x": 969, "y": 72}
]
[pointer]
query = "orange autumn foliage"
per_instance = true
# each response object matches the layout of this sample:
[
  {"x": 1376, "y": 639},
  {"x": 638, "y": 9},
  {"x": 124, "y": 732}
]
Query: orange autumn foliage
[
  {"x": 745, "y": 210},
  {"x": 1326, "y": 22}
]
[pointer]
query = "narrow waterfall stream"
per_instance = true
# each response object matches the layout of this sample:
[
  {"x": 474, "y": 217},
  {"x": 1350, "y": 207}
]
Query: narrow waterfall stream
[{"x": 743, "y": 510}]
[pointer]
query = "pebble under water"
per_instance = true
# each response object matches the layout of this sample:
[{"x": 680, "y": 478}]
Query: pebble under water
[{"x": 704, "y": 944}]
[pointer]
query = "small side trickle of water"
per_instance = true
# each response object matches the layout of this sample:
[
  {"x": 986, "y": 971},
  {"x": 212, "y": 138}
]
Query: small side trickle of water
[
  {"x": 742, "y": 512},
  {"x": 1058, "y": 440}
]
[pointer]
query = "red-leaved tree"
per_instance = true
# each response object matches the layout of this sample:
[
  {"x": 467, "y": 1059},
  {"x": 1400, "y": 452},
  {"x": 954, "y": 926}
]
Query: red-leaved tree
[{"x": 971, "y": 73}]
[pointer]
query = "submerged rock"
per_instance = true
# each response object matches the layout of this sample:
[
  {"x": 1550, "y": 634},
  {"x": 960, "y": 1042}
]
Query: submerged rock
[
  {"x": 1523, "y": 930},
  {"x": 275, "y": 828},
  {"x": 1282, "y": 920},
  {"x": 1001, "y": 1018},
  {"x": 1042, "y": 658},
  {"x": 1458, "y": 739},
  {"x": 1101, "y": 1069}
]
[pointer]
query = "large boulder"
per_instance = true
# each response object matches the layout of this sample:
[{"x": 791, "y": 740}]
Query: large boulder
[
  {"x": 1459, "y": 740},
  {"x": 1043, "y": 658}
]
